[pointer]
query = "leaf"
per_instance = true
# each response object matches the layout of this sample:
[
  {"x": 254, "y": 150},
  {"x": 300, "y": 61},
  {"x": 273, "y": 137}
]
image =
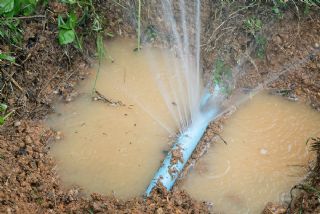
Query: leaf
[
  {"x": 258, "y": 24},
  {"x": 66, "y": 36},
  {"x": 8, "y": 58},
  {"x": 69, "y": 1},
  {"x": 60, "y": 21},
  {"x": 97, "y": 24},
  {"x": 3, "y": 107},
  {"x": 1, "y": 120},
  {"x": 28, "y": 9},
  {"x": 6, "y": 6},
  {"x": 110, "y": 34},
  {"x": 72, "y": 20}
]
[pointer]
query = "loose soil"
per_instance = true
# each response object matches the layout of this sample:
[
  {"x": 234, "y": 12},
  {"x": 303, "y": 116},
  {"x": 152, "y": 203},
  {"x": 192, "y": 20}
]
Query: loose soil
[{"x": 46, "y": 72}]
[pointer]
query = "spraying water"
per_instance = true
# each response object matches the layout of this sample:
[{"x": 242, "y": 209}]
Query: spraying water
[
  {"x": 191, "y": 111},
  {"x": 184, "y": 31}
]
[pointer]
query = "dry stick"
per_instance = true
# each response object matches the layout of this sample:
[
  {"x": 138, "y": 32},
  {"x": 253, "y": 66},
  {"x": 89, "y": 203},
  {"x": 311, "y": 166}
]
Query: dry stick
[
  {"x": 221, "y": 138},
  {"x": 14, "y": 81},
  {"x": 231, "y": 16},
  {"x": 31, "y": 17},
  {"x": 28, "y": 56},
  {"x": 117, "y": 3}
]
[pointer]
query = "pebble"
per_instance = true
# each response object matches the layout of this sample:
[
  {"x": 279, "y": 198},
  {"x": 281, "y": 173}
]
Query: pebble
[
  {"x": 28, "y": 140},
  {"x": 58, "y": 135},
  {"x": 160, "y": 211},
  {"x": 68, "y": 99},
  {"x": 277, "y": 40},
  {"x": 316, "y": 45},
  {"x": 17, "y": 123},
  {"x": 22, "y": 144}
]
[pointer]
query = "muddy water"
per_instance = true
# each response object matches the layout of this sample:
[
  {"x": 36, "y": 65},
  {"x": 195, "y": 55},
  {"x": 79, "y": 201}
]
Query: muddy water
[
  {"x": 114, "y": 148},
  {"x": 265, "y": 156}
]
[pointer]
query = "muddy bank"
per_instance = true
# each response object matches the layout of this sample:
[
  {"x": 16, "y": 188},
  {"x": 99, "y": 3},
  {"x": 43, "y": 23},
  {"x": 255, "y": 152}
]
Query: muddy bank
[{"x": 46, "y": 72}]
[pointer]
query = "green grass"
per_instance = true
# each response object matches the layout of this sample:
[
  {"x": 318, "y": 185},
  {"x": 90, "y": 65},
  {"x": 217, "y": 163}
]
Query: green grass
[
  {"x": 7, "y": 57},
  {"x": 3, "y": 113},
  {"x": 10, "y": 10},
  {"x": 139, "y": 25},
  {"x": 222, "y": 73},
  {"x": 252, "y": 25},
  {"x": 89, "y": 19}
]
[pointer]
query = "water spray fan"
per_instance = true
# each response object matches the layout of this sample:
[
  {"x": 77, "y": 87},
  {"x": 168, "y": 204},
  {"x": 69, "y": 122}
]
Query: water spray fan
[{"x": 182, "y": 150}]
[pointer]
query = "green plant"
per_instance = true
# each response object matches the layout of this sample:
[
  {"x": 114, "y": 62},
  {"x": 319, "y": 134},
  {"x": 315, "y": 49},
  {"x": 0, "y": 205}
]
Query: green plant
[
  {"x": 3, "y": 114},
  {"x": 7, "y": 57},
  {"x": 280, "y": 5},
  {"x": 11, "y": 8},
  {"x": 82, "y": 15},
  {"x": 139, "y": 25},
  {"x": 151, "y": 33},
  {"x": 253, "y": 25},
  {"x": 261, "y": 43},
  {"x": 222, "y": 75},
  {"x": 138, "y": 15},
  {"x": 67, "y": 32},
  {"x": 10, "y": 31}
]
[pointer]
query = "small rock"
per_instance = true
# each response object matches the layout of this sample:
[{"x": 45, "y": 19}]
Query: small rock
[
  {"x": 17, "y": 123},
  {"x": 316, "y": 45},
  {"x": 68, "y": 99},
  {"x": 28, "y": 140},
  {"x": 285, "y": 197},
  {"x": 97, "y": 207},
  {"x": 58, "y": 135},
  {"x": 277, "y": 39},
  {"x": 273, "y": 208},
  {"x": 160, "y": 211},
  {"x": 29, "y": 150},
  {"x": 22, "y": 144},
  {"x": 9, "y": 210}
]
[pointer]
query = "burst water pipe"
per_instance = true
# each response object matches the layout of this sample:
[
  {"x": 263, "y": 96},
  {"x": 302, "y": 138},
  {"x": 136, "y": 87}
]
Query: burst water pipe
[{"x": 185, "y": 145}]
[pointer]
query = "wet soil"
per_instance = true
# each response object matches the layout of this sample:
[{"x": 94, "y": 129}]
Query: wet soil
[{"x": 45, "y": 72}]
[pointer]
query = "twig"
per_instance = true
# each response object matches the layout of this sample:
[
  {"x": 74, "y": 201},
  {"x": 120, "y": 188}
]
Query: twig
[
  {"x": 231, "y": 16},
  {"x": 14, "y": 82},
  {"x": 221, "y": 138},
  {"x": 28, "y": 56},
  {"x": 107, "y": 100},
  {"x": 31, "y": 17},
  {"x": 119, "y": 4}
]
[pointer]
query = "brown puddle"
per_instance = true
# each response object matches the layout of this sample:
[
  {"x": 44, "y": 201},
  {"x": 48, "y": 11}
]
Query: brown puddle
[
  {"x": 118, "y": 148},
  {"x": 265, "y": 156},
  {"x": 109, "y": 148}
]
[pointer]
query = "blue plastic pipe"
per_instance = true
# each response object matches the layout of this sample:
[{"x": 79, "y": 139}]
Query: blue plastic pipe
[{"x": 186, "y": 143}]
